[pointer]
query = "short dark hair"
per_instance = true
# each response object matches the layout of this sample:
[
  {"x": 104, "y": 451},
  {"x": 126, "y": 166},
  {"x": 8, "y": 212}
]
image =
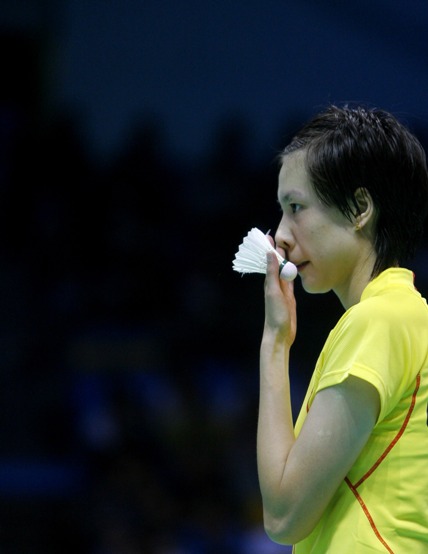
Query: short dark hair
[{"x": 352, "y": 147}]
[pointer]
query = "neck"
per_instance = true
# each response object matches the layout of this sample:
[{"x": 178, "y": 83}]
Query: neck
[{"x": 351, "y": 292}]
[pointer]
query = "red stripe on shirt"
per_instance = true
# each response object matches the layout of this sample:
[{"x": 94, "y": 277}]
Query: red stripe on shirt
[
  {"x": 396, "y": 438},
  {"x": 378, "y": 462},
  {"x": 368, "y": 516}
]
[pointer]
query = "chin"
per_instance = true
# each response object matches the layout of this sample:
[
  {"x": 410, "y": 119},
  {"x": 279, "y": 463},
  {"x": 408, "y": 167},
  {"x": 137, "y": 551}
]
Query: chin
[{"x": 314, "y": 288}]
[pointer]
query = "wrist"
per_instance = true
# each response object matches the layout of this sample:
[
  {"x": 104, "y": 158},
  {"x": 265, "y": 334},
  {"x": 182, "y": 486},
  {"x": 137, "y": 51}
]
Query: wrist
[
  {"x": 275, "y": 339},
  {"x": 274, "y": 349},
  {"x": 274, "y": 360}
]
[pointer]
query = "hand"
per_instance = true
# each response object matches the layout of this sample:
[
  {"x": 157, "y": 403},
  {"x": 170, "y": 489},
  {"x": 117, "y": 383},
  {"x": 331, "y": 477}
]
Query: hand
[{"x": 280, "y": 303}]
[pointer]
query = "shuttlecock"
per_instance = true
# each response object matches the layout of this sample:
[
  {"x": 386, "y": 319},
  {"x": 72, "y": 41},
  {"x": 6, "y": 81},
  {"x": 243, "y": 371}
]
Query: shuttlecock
[{"x": 251, "y": 256}]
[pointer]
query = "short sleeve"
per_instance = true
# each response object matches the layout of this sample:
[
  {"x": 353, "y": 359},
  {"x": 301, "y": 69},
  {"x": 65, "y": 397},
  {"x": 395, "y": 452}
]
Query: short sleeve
[{"x": 371, "y": 342}]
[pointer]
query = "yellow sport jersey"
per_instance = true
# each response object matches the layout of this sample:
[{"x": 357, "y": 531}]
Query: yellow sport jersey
[{"x": 382, "y": 505}]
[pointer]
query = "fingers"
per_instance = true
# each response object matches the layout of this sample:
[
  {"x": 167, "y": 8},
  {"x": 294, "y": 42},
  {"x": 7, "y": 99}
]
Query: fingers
[
  {"x": 272, "y": 264},
  {"x": 273, "y": 284},
  {"x": 273, "y": 281},
  {"x": 279, "y": 301}
]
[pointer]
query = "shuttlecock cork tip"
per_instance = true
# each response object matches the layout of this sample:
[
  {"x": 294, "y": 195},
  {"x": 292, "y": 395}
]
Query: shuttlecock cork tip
[{"x": 287, "y": 271}]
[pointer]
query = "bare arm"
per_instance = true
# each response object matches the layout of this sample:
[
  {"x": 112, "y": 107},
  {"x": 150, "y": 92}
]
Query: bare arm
[{"x": 298, "y": 477}]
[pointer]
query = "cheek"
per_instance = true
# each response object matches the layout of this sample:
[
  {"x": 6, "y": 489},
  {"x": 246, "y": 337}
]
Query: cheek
[
  {"x": 329, "y": 244},
  {"x": 321, "y": 238}
]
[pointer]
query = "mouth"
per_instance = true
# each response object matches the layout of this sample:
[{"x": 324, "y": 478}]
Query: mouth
[{"x": 301, "y": 266}]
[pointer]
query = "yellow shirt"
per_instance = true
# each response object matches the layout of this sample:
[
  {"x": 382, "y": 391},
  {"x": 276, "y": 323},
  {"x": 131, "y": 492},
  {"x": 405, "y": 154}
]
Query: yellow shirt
[{"x": 382, "y": 505}]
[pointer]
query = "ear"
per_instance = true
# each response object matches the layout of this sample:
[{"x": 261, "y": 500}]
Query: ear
[{"x": 366, "y": 209}]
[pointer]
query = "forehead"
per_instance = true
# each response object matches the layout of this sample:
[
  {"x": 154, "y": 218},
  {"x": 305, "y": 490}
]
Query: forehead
[{"x": 293, "y": 177}]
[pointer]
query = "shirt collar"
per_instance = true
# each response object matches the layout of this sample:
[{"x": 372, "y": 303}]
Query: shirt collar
[{"x": 393, "y": 276}]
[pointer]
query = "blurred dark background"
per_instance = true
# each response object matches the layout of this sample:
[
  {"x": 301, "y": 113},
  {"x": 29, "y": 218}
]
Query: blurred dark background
[{"x": 138, "y": 144}]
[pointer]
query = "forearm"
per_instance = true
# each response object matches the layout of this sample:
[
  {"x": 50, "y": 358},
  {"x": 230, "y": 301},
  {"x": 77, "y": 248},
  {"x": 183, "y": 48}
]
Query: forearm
[
  {"x": 298, "y": 478},
  {"x": 275, "y": 434}
]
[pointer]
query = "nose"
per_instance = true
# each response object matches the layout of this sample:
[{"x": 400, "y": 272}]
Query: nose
[{"x": 284, "y": 236}]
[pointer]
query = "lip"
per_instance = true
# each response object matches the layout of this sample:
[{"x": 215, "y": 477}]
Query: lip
[{"x": 301, "y": 266}]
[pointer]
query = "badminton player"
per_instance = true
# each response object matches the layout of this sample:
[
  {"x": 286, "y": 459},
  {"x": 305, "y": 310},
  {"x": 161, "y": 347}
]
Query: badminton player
[{"x": 351, "y": 476}]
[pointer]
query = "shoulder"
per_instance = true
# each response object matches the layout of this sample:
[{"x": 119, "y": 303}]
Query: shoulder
[
  {"x": 397, "y": 308},
  {"x": 392, "y": 296}
]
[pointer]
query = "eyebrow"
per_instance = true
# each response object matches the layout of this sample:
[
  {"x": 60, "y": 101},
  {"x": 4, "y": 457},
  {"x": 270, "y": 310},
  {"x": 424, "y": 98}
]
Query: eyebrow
[{"x": 291, "y": 195}]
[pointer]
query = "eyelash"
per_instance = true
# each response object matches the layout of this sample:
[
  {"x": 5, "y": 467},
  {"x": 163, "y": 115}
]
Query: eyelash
[{"x": 293, "y": 206}]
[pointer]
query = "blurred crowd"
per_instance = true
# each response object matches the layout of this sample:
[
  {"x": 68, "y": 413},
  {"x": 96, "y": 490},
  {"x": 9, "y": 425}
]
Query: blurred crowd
[{"x": 129, "y": 347}]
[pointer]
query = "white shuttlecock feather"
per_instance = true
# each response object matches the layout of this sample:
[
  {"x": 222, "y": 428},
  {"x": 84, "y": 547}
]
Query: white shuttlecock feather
[{"x": 251, "y": 256}]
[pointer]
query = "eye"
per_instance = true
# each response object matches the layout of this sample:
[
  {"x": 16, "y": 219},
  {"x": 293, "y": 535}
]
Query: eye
[{"x": 294, "y": 207}]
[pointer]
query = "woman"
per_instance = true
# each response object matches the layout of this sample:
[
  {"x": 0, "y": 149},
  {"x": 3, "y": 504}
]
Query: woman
[{"x": 352, "y": 475}]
